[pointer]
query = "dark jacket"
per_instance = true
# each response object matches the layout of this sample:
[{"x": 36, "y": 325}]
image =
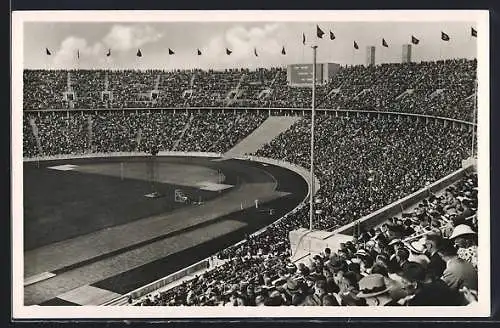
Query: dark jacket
[
  {"x": 436, "y": 266},
  {"x": 436, "y": 293}
]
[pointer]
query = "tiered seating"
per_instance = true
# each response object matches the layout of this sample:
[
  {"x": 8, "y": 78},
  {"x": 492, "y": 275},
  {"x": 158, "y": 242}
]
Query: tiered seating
[{"x": 436, "y": 88}]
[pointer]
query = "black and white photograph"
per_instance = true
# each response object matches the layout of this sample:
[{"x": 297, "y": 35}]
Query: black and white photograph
[{"x": 177, "y": 164}]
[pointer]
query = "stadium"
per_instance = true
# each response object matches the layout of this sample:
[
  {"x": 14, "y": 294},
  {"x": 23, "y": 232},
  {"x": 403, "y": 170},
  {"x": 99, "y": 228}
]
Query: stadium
[{"x": 196, "y": 187}]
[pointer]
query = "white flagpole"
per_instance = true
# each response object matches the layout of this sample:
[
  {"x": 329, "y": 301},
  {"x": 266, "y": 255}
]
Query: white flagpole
[
  {"x": 311, "y": 193},
  {"x": 474, "y": 118}
]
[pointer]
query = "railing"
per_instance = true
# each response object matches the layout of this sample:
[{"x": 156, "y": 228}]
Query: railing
[
  {"x": 160, "y": 283},
  {"x": 376, "y": 218},
  {"x": 271, "y": 110}
]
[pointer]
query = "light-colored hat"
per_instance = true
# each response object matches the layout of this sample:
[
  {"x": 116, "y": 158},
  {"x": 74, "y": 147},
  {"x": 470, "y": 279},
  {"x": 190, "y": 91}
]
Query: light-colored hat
[
  {"x": 394, "y": 241},
  {"x": 417, "y": 246},
  {"x": 460, "y": 230},
  {"x": 372, "y": 285},
  {"x": 361, "y": 252}
]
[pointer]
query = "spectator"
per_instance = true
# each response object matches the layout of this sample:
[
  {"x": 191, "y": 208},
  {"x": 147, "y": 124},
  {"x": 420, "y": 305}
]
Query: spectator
[
  {"x": 436, "y": 265},
  {"x": 319, "y": 297},
  {"x": 464, "y": 239},
  {"x": 424, "y": 291},
  {"x": 375, "y": 292},
  {"x": 458, "y": 272}
]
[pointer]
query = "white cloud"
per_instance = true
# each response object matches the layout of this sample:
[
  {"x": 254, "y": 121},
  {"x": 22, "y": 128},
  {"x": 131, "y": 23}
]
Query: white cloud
[
  {"x": 242, "y": 41},
  {"x": 126, "y": 37},
  {"x": 66, "y": 55}
]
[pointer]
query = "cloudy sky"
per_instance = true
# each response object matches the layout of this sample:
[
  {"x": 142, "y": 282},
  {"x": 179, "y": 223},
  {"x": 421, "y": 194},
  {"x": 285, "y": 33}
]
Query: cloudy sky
[{"x": 93, "y": 39}]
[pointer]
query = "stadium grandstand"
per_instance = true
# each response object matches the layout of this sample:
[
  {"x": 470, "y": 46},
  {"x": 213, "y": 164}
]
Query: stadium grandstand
[{"x": 392, "y": 157}]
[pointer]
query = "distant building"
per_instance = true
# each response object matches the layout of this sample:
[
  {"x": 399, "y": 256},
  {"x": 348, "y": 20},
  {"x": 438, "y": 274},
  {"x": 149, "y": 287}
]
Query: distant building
[
  {"x": 406, "y": 53},
  {"x": 370, "y": 55}
]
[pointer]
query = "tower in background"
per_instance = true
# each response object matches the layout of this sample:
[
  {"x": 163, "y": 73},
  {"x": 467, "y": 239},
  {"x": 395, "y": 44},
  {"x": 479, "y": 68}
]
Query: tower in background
[
  {"x": 406, "y": 53},
  {"x": 370, "y": 55}
]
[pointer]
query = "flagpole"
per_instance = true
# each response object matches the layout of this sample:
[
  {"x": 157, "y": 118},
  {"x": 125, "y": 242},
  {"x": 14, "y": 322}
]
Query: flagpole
[
  {"x": 47, "y": 61},
  {"x": 474, "y": 117},
  {"x": 313, "y": 110},
  {"x": 352, "y": 56}
]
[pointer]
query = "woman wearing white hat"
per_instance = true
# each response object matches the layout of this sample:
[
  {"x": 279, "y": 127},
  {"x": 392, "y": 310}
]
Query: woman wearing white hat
[{"x": 464, "y": 239}]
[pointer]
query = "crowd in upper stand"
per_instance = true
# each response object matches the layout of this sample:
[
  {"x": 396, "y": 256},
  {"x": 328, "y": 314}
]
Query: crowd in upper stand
[
  {"x": 141, "y": 130},
  {"x": 441, "y": 88},
  {"x": 425, "y": 257}
]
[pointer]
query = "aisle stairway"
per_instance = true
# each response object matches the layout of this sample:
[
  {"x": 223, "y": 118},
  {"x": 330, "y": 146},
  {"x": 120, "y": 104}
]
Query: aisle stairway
[{"x": 267, "y": 131}]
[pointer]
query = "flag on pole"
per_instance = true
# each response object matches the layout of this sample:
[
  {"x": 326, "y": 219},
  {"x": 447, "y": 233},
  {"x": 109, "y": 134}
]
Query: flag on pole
[
  {"x": 303, "y": 38},
  {"x": 319, "y": 32},
  {"x": 355, "y": 45},
  {"x": 283, "y": 52},
  {"x": 255, "y": 52},
  {"x": 414, "y": 40},
  {"x": 170, "y": 51},
  {"x": 444, "y": 36},
  {"x": 473, "y": 32},
  {"x": 198, "y": 52},
  {"x": 228, "y": 52},
  {"x": 139, "y": 53},
  {"x": 47, "y": 52},
  {"x": 384, "y": 43},
  {"x": 332, "y": 36},
  {"x": 109, "y": 53}
]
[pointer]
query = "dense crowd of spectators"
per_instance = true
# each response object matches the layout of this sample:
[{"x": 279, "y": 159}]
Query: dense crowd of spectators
[
  {"x": 142, "y": 130},
  {"x": 440, "y": 88},
  {"x": 425, "y": 257},
  {"x": 363, "y": 163}
]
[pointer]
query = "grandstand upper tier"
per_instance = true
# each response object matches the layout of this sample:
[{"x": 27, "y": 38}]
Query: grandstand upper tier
[{"x": 440, "y": 88}]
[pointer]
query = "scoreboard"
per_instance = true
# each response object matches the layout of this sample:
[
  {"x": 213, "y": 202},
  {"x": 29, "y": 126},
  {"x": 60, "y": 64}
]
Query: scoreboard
[{"x": 302, "y": 74}]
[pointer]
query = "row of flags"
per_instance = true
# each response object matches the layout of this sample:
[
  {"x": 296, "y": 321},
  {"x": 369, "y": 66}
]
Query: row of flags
[
  {"x": 319, "y": 33},
  {"x": 170, "y": 52}
]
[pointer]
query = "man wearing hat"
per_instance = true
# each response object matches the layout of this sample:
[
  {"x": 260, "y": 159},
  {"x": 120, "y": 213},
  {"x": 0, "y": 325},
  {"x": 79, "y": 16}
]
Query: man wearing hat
[
  {"x": 464, "y": 239},
  {"x": 458, "y": 273},
  {"x": 373, "y": 289}
]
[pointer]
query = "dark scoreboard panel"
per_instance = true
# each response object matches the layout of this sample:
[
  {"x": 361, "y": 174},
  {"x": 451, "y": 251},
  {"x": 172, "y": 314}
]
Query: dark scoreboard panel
[{"x": 301, "y": 74}]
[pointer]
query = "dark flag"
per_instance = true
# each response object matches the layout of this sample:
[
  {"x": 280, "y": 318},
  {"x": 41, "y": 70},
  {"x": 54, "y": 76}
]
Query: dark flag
[
  {"x": 473, "y": 32},
  {"x": 414, "y": 40},
  {"x": 319, "y": 32},
  {"x": 228, "y": 52},
  {"x": 255, "y": 52},
  {"x": 355, "y": 45},
  {"x": 283, "y": 52},
  {"x": 47, "y": 52},
  {"x": 170, "y": 51},
  {"x": 384, "y": 44},
  {"x": 198, "y": 52},
  {"x": 332, "y": 36},
  {"x": 139, "y": 53},
  {"x": 109, "y": 53},
  {"x": 445, "y": 37},
  {"x": 303, "y": 39}
]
